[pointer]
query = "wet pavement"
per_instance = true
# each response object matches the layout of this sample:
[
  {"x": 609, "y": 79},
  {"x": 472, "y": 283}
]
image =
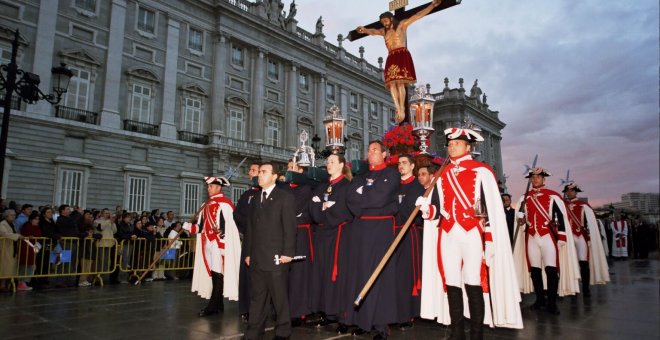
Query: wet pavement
[{"x": 627, "y": 308}]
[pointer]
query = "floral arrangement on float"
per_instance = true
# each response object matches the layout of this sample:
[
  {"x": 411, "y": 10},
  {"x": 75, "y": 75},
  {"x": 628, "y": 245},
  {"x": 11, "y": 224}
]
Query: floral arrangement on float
[{"x": 411, "y": 137}]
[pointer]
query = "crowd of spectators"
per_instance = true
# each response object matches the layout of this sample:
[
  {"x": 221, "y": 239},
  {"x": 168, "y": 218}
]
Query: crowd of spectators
[{"x": 81, "y": 241}]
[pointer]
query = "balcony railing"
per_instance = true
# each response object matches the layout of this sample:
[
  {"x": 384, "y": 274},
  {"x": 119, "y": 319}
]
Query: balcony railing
[
  {"x": 193, "y": 137},
  {"x": 78, "y": 115},
  {"x": 140, "y": 127}
]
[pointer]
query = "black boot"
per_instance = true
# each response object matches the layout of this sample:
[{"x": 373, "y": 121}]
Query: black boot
[
  {"x": 552, "y": 278},
  {"x": 477, "y": 307},
  {"x": 537, "y": 282},
  {"x": 215, "y": 304},
  {"x": 585, "y": 274},
  {"x": 455, "y": 299}
]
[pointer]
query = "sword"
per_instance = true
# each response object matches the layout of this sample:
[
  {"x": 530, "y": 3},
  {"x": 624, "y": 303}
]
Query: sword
[
  {"x": 231, "y": 172},
  {"x": 522, "y": 208},
  {"x": 278, "y": 259}
]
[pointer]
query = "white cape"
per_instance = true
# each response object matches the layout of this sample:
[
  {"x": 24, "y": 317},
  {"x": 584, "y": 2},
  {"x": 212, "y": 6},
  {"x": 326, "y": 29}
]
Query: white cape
[
  {"x": 502, "y": 304},
  {"x": 201, "y": 282},
  {"x": 598, "y": 268},
  {"x": 569, "y": 270}
]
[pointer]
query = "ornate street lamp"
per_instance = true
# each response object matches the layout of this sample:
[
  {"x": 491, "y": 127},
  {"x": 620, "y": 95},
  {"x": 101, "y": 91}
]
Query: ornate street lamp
[
  {"x": 27, "y": 88},
  {"x": 304, "y": 155},
  {"x": 335, "y": 126},
  {"x": 421, "y": 115}
]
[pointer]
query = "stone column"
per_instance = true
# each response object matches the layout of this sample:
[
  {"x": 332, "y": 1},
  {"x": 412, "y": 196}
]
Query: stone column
[
  {"x": 167, "y": 126},
  {"x": 257, "y": 101},
  {"x": 110, "y": 116},
  {"x": 217, "y": 118},
  {"x": 291, "y": 105},
  {"x": 320, "y": 108},
  {"x": 43, "y": 50}
]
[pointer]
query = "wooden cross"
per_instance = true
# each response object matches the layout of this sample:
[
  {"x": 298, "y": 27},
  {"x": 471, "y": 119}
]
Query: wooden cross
[{"x": 400, "y": 13}]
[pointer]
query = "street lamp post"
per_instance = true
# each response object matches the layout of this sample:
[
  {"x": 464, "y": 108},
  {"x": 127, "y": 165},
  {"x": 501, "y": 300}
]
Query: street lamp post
[{"x": 27, "y": 88}]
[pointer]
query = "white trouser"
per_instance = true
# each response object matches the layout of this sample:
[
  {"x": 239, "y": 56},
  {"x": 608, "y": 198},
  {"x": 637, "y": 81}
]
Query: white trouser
[
  {"x": 213, "y": 255},
  {"x": 460, "y": 248},
  {"x": 541, "y": 249},
  {"x": 581, "y": 247}
]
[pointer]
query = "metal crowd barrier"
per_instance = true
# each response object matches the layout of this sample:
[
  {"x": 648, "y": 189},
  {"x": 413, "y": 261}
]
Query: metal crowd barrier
[
  {"x": 137, "y": 255},
  {"x": 88, "y": 258}
]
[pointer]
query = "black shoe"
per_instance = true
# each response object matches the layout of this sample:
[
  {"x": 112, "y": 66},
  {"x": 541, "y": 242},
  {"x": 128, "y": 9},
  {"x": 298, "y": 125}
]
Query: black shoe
[
  {"x": 406, "y": 326},
  {"x": 245, "y": 317},
  {"x": 297, "y": 322},
  {"x": 277, "y": 337},
  {"x": 359, "y": 331},
  {"x": 380, "y": 336},
  {"x": 206, "y": 312},
  {"x": 342, "y": 329},
  {"x": 323, "y": 321}
]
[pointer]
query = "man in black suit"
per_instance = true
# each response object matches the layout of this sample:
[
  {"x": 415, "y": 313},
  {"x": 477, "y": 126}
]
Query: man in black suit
[
  {"x": 271, "y": 231},
  {"x": 510, "y": 215}
]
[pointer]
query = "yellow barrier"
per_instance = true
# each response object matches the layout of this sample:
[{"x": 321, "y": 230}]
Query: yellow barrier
[
  {"x": 89, "y": 258},
  {"x": 137, "y": 255},
  {"x": 66, "y": 258}
]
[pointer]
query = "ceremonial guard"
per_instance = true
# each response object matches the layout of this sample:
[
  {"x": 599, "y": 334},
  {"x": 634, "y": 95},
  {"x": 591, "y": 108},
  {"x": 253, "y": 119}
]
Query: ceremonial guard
[
  {"x": 373, "y": 200},
  {"x": 408, "y": 253},
  {"x": 474, "y": 253},
  {"x": 619, "y": 238},
  {"x": 330, "y": 212},
  {"x": 542, "y": 242},
  {"x": 218, "y": 249},
  {"x": 241, "y": 214},
  {"x": 591, "y": 255},
  {"x": 300, "y": 272}
]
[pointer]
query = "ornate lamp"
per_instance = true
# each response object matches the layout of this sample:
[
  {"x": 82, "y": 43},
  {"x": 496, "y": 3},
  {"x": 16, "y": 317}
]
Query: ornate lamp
[
  {"x": 421, "y": 115},
  {"x": 335, "y": 126},
  {"x": 304, "y": 155}
]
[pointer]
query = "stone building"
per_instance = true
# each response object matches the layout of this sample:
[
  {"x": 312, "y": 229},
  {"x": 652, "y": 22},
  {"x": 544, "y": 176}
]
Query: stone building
[
  {"x": 453, "y": 108},
  {"x": 166, "y": 92}
]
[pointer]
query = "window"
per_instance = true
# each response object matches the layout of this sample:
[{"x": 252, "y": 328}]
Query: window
[
  {"x": 330, "y": 92},
  {"x": 303, "y": 81},
  {"x": 141, "y": 103},
  {"x": 373, "y": 109},
  {"x": 273, "y": 132},
  {"x": 273, "y": 70},
  {"x": 354, "y": 151},
  {"x": 192, "y": 118},
  {"x": 77, "y": 95},
  {"x": 190, "y": 198},
  {"x": 87, "y": 5},
  {"x": 71, "y": 187},
  {"x": 354, "y": 101},
  {"x": 236, "y": 124},
  {"x": 237, "y": 56},
  {"x": 146, "y": 20},
  {"x": 137, "y": 193},
  {"x": 195, "y": 40},
  {"x": 237, "y": 191},
  {"x": 5, "y": 55}
]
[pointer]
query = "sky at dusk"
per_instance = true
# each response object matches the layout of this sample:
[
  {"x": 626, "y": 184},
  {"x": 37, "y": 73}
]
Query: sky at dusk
[{"x": 576, "y": 82}]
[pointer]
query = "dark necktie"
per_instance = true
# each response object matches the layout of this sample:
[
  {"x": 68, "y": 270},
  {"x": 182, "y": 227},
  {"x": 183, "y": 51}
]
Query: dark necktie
[{"x": 263, "y": 197}]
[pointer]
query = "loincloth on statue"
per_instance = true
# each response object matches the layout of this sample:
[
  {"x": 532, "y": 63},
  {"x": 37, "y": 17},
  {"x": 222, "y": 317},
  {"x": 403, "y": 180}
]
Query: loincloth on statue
[{"x": 399, "y": 68}]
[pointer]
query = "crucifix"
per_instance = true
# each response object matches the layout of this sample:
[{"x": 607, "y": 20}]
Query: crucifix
[{"x": 399, "y": 69}]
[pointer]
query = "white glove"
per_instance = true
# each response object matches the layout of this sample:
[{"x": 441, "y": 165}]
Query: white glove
[
  {"x": 316, "y": 199},
  {"x": 187, "y": 226},
  {"x": 489, "y": 253},
  {"x": 561, "y": 243},
  {"x": 424, "y": 204},
  {"x": 521, "y": 214},
  {"x": 359, "y": 190}
]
